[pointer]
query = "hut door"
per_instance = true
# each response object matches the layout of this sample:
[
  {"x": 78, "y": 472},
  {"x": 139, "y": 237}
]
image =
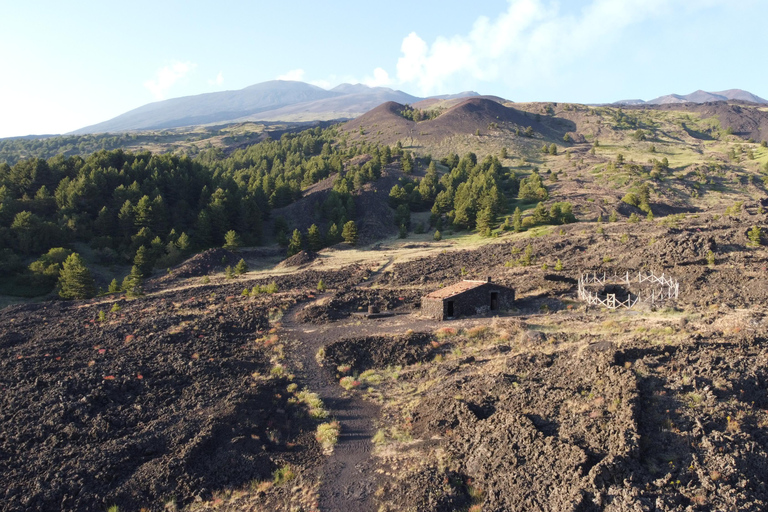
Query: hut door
[
  {"x": 494, "y": 301},
  {"x": 449, "y": 308}
]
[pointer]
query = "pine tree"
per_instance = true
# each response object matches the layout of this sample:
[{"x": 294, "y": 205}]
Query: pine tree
[
  {"x": 114, "y": 286},
  {"x": 314, "y": 240},
  {"x": 75, "y": 280},
  {"x": 486, "y": 219},
  {"x": 232, "y": 240},
  {"x": 517, "y": 220},
  {"x": 333, "y": 235},
  {"x": 142, "y": 261},
  {"x": 133, "y": 285},
  {"x": 294, "y": 245},
  {"x": 241, "y": 267},
  {"x": 437, "y": 236},
  {"x": 349, "y": 233},
  {"x": 183, "y": 242}
]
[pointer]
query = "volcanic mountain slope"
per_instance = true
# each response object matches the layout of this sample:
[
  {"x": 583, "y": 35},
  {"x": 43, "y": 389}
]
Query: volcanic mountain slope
[
  {"x": 386, "y": 124},
  {"x": 276, "y": 100},
  {"x": 699, "y": 97}
]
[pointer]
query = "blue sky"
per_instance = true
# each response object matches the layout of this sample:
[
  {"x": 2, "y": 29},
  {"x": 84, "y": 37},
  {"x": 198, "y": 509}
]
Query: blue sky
[{"x": 65, "y": 65}]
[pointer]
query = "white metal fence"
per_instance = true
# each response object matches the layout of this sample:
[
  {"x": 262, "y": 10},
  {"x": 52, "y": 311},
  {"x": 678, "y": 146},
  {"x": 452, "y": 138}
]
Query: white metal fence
[{"x": 661, "y": 289}]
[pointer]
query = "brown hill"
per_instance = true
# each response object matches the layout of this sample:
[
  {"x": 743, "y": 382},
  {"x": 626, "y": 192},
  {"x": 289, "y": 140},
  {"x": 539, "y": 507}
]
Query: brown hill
[{"x": 473, "y": 116}]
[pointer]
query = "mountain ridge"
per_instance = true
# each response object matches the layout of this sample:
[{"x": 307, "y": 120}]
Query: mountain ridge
[
  {"x": 698, "y": 96},
  {"x": 274, "y": 100}
]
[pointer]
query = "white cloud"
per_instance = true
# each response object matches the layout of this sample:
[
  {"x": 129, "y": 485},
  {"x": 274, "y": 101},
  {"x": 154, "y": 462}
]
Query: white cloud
[
  {"x": 294, "y": 74},
  {"x": 525, "y": 44},
  {"x": 218, "y": 80},
  {"x": 324, "y": 84},
  {"x": 167, "y": 76},
  {"x": 380, "y": 78}
]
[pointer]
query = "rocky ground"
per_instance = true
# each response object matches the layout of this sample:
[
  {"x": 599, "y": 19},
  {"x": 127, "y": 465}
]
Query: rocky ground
[{"x": 199, "y": 397}]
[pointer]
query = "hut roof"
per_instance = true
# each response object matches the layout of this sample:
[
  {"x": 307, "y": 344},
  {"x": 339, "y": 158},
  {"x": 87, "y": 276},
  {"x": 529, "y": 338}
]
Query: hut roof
[{"x": 454, "y": 289}]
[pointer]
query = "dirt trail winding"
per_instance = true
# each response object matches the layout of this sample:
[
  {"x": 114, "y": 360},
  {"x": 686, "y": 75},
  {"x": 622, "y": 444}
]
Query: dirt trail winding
[{"x": 347, "y": 478}]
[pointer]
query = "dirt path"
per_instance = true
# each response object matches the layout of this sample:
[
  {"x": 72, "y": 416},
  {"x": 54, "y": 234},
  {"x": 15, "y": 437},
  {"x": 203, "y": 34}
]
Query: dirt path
[{"x": 348, "y": 480}]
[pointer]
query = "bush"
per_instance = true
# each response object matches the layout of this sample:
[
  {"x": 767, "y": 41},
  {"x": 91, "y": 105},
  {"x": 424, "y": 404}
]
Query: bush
[
  {"x": 283, "y": 475},
  {"x": 328, "y": 435},
  {"x": 349, "y": 383}
]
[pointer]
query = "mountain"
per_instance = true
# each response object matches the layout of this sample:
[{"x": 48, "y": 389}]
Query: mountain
[
  {"x": 215, "y": 107},
  {"x": 698, "y": 97},
  {"x": 478, "y": 114},
  {"x": 276, "y": 100}
]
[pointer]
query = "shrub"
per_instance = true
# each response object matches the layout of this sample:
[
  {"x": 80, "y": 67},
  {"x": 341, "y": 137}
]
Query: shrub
[
  {"x": 437, "y": 236},
  {"x": 445, "y": 332},
  {"x": 320, "y": 286},
  {"x": 559, "y": 265},
  {"x": 283, "y": 475},
  {"x": 478, "y": 332},
  {"x": 349, "y": 383},
  {"x": 711, "y": 259},
  {"x": 314, "y": 403},
  {"x": 755, "y": 236},
  {"x": 328, "y": 435}
]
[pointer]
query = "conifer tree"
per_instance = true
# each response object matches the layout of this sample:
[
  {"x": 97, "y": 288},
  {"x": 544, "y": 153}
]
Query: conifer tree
[
  {"x": 133, "y": 284},
  {"x": 183, "y": 242},
  {"x": 294, "y": 245},
  {"x": 75, "y": 280},
  {"x": 517, "y": 220},
  {"x": 349, "y": 233},
  {"x": 241, "y": 267},
  {"x": 333, "y": 235},
  {"x": 142, "y": 261},
  {"x": 232, "y": 240},
  {"x": 314, "y": 240}
]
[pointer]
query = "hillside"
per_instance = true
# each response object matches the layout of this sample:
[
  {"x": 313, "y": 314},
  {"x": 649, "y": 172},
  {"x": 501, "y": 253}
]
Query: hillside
[{"x": 270, "y": 389}]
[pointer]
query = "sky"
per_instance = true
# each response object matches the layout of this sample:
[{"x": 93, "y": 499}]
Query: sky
[{"x": 66, "y": 65}]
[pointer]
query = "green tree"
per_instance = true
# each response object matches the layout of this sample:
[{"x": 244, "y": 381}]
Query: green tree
[
  {"x": 755, "y": 236},
  {"x": 437, "y": 236},
  {"x": 75, "y": 280},
  {"x": 232, "y": 240},
  {"x": 183, "y": 242},
  {"x": 517, "y": 220},
  {"x": 349, "y": 233},
  {"x": 553, "y": 149},
  {"x": 114, "y": 286},
  {"x": 486, "y": 219},
  {"x": 333, "y": 236},
  {"x": 407, "y": 162},
  {"x": 142, "y": 261},
  {"x": 133, "y": 284},
  {"x": 241, "y": 267},
  {"x": 295, "y": 243},
  {"x": 314, "y": 239}
]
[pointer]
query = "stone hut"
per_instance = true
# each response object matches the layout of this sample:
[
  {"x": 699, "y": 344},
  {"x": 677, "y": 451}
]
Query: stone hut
[{"x": 467, "y": 298}]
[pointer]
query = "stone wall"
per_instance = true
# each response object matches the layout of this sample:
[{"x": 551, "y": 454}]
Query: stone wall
[{"x": 476, "y": 301}]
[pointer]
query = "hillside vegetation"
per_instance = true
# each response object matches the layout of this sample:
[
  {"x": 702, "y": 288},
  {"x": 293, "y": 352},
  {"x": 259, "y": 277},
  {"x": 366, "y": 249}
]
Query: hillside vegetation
[{"x": 238, "y": 379}]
